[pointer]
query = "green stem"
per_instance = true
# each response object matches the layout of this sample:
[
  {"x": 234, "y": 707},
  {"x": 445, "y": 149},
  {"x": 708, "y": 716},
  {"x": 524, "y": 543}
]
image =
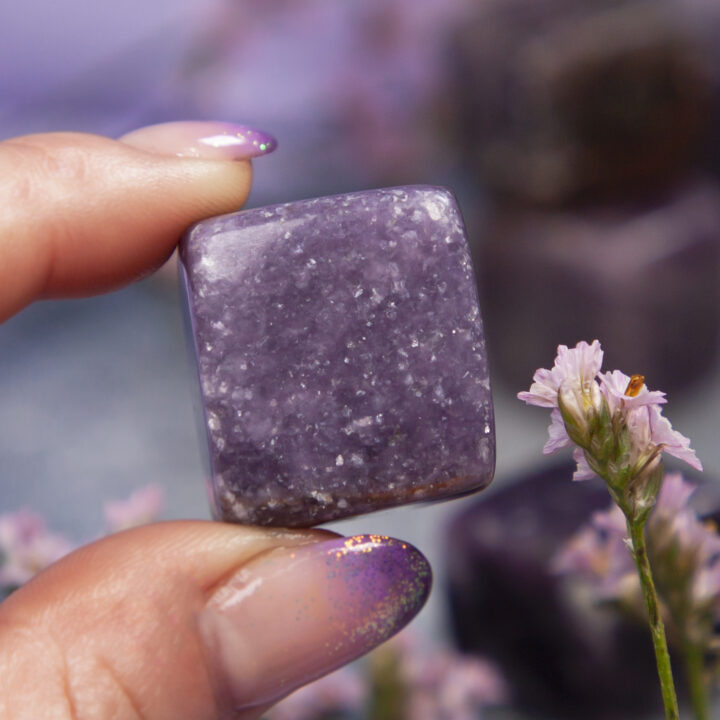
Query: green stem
[
  {"x": 657, "y": 628},
  {"x": 695, "y": 668}
]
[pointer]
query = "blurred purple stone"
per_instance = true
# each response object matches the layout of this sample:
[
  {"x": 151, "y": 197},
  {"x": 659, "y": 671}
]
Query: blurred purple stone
[
  {"x": 644, "y": 278},
  {"x": 566, "y": 99},
  {"x": 341, "y": 356},
  {"x": 561, "y": 658}
]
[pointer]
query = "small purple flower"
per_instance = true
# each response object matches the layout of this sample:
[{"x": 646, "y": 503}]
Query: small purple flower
[
  {"x": 572, "y": 382},
  {"x": 26, "y": 548},
  {"x": 577, "y": 366},
  {"x": 614, "y": 386},
  {"x": 582, "y": 399},
  {"x": 445, "y": 685},
  {"x": 685, "y": 554},
  {"x": 450, "y": 686},
  {"x": 598, "y": 554},
  {"x": 142, "y": 507},
  {"x": 671, "y": 441},
  {"x": 644, "y": 417}
]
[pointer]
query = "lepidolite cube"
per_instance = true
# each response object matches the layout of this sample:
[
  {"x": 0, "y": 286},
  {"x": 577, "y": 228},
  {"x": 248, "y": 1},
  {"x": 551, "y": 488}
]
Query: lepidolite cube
[{"x": 341, "y": 356}]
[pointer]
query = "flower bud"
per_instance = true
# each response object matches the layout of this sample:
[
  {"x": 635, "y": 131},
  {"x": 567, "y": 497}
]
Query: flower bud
[{"x": 579, "y": 404}]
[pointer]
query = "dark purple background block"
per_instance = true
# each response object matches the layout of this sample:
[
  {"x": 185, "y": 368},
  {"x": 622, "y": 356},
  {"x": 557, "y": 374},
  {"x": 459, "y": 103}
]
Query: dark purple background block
[
  {"x": 643, "y": 278},
  {"x": 563, "y": 658},
  {"x": 560, "y": 100},
  {"x": 341, "y": 356}
]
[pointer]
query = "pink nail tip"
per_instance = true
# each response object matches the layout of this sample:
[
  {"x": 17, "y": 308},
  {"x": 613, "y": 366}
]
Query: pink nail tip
[
  {"x": 207, "y": 140},
  {"x": 248, "y": 141}
]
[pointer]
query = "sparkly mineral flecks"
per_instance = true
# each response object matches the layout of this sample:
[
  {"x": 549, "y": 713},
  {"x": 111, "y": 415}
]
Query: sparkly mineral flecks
[
  {"x": 308, "y": 610},
  {"x": 341, "y": 356}
]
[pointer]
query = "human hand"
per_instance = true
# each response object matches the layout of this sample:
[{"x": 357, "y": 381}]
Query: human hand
[{"x": 184, "y": 619}]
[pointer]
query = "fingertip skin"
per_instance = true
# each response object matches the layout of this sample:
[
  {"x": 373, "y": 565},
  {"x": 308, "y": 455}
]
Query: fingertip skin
[
  {"x": 199, "y": 620},
  {"x": 110, "y": 631},
  {"x": 82, "y": 214}
]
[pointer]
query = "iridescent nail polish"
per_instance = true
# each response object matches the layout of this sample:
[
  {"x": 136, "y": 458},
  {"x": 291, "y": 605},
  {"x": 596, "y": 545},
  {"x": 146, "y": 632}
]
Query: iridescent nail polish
[
  {"x": 341, "y": 356},
  {"x": 328, "y": 603}
]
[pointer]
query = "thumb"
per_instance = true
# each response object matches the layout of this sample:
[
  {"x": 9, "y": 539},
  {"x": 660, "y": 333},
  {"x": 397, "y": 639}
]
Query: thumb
[{"x": 199, "y": 620}]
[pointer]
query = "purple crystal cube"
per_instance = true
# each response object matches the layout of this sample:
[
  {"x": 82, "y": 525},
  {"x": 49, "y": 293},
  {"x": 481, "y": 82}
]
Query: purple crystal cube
[{"x": 341, "y": 356}]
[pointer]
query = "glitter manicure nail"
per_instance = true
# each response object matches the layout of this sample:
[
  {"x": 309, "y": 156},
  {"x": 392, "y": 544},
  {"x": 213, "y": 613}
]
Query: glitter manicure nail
[
  {"x": 293, "y": 615},
  {"x": 205, "y": 140}
]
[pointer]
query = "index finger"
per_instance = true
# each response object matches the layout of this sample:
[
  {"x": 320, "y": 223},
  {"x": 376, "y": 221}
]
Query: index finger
[{"x": 82, "y": 214}]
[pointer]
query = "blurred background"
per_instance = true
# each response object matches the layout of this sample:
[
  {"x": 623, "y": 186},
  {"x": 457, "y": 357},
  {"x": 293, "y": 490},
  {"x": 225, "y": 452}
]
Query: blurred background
[{"x": 582, "y": 140}]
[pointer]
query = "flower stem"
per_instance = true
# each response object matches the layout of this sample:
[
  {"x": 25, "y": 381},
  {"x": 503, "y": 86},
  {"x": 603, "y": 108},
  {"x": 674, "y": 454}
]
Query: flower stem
[
  {"x": 636, "y": 530},
  {"x": 695, "y": 668}
]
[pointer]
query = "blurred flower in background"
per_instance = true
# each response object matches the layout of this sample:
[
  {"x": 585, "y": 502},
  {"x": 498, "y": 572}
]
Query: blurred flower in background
[
  {"x": 684, "y": 552},
  {"x": 445, "y": 685},
  {"x": 27, "y": 546},
  {"x": 407, "y": 678},
  {"x": 142, "y": 507},
  {"x": 338, "y": 696},
  {"x": 599, "y": 554}
]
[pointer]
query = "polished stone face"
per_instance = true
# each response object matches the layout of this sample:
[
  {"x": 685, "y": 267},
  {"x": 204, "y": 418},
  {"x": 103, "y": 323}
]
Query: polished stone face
[{"x": 341, "y": 356}]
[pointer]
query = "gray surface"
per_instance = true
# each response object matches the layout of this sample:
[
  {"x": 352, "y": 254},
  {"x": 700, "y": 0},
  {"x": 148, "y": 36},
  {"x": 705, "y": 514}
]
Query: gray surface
[{"x": 93, "y": 403}]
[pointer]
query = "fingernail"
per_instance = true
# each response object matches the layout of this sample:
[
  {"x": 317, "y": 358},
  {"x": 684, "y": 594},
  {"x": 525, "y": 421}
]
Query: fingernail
[
  {"x": 295, "y": 614},
  {"x": 206, "y": 140}
]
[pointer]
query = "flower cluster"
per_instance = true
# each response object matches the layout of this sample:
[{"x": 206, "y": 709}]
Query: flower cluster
[
  {"x": 619, "y": 434},
  {"x": 449, "y": 686},
  {"x": 684, "y": 553},
  {"x": 614, "y": 422},
  {"x": 27, "y": 546},
  {"x": 338, "y": 695},
  {"x": 403, "y": 679}
]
